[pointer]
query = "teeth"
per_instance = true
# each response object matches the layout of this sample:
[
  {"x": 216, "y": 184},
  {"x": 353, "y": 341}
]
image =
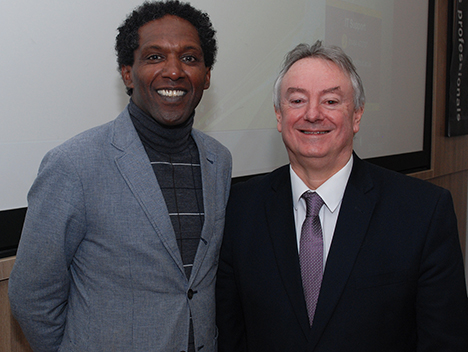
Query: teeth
[
  {"x": 171, "y": 93},
  {"x": 315, "y": 132}
]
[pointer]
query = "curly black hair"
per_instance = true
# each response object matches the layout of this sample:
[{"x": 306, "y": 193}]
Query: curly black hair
[{"x": 127, "y": 40}]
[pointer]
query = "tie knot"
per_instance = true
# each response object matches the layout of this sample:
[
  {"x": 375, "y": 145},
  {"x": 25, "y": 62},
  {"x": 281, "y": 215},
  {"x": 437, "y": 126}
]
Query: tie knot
[{"x": 314, "y": 202}]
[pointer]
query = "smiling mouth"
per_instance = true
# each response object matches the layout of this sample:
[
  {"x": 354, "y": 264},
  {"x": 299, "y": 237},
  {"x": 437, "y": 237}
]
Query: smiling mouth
[
  {"x": 171, "y": 93},
  {"x": 315, "y": 132}
]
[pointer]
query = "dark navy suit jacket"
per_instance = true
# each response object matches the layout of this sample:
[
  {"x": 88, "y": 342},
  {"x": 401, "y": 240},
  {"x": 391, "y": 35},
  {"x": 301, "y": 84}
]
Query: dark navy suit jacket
[{"x": 393, "y": 281}]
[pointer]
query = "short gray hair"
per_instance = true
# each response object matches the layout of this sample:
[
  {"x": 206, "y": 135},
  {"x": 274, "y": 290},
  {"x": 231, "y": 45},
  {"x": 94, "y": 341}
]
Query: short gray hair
[{"x": 317, "y": 51}]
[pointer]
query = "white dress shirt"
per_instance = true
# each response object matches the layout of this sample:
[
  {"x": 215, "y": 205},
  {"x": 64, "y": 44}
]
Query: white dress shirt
[{"x": 332, "y": 194}]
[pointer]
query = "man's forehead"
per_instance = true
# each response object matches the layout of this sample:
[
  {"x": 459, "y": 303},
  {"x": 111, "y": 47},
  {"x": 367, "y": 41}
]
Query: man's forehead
[
  {"x": 319, "y": 74},
  {"x": 295, "y": 89},
  {"x": 169, "y": 27}
]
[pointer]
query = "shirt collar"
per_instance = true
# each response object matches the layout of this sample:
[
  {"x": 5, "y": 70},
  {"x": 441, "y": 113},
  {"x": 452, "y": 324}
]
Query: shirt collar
[{"x": 331, "y": 191}]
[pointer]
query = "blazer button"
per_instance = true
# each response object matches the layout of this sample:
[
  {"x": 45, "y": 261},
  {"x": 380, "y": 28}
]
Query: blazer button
[{"x": 190, "y": 294}]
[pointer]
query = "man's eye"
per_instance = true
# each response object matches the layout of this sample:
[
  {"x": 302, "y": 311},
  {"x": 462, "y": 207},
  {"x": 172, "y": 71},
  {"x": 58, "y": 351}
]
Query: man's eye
[
  {"x": 189, "y": 58},
  {"x": 154, "y": 57},
  {"x": 296, "y": 101}
]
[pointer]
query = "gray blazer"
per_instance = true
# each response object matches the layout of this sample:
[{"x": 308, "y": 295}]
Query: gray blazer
[{"x": 98, "y": 267}]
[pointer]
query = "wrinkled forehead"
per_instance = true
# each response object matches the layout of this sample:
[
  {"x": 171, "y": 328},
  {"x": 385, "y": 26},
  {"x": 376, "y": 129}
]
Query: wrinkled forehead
[{"x": 316, "y": 73}]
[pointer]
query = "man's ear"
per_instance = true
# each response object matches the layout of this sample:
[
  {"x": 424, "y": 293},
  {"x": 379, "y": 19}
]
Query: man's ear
[
  {"x": 357, "y": 119},
  {"x": 126, "y": 72},
  {"x": 279, "y": 117},
  {"x": 207, "y": 78}
]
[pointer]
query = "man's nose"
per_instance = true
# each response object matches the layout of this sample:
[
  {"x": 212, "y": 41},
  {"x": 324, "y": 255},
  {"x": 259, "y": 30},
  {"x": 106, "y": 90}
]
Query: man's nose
[
  {"x": 173, "y": 68},
  {"x": 313, "y": 112}
]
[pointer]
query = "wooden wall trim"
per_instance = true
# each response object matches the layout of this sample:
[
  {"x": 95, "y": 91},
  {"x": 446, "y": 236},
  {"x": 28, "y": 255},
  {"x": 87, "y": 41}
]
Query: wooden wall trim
[
  {"x": 6, "y": 265},
  {"x": 449, "y": 156}
]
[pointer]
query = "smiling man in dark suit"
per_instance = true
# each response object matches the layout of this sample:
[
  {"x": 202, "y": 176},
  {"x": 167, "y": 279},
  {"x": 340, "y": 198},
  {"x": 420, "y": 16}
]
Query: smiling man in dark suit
[{"x": 331, "y": 253}]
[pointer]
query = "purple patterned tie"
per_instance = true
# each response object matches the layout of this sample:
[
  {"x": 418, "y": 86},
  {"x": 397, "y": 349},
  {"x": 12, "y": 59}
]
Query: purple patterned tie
[{"x": 311, "y": 252}]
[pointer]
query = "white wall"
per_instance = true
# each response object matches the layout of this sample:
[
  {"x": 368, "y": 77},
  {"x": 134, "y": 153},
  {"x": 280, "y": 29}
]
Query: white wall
[{"x": 59, "y": 75}]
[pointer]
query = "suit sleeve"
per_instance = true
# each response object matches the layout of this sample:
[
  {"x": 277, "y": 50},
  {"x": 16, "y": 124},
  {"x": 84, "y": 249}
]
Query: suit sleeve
[
  {"x": 442, "y": 305},
  {"x": 53, "y": 229},
  {"x": 229, "y": 313}
]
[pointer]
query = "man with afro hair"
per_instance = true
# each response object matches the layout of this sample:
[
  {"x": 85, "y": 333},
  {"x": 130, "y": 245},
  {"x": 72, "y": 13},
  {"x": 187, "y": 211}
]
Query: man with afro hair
[{"x": 120, "y": 245}]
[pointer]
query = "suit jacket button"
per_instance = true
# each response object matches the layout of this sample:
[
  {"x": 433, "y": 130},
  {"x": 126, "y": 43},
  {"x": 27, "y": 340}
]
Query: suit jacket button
[{"x": 190, "y": 294}]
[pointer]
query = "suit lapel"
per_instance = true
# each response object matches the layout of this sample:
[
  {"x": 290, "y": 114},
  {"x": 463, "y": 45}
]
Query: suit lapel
[
  {"x": 208, "y": 172},
  {"x": 133, "y": 163},
  {"x": 355, "y": 214},
  {"x": 280, "y": 217}
]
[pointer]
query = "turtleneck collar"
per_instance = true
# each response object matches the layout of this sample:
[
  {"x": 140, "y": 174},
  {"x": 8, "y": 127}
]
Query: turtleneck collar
[{"x": 162, "y": 138}]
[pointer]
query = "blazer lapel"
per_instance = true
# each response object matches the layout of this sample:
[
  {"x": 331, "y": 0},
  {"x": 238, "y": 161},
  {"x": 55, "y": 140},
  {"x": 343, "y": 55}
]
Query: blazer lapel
[
  {"x": 280, "y": 218},
  {"x": 355, "y": 214},
  {"x": 208, "y": 171},
  {"x": 133, "y": 163}
]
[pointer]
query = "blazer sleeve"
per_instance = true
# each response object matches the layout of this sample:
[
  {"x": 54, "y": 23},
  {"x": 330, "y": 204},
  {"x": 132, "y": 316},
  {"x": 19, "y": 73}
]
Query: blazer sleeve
[
  {"x": 442, "y": 305},
  {"x": 53, "y": 229}
]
